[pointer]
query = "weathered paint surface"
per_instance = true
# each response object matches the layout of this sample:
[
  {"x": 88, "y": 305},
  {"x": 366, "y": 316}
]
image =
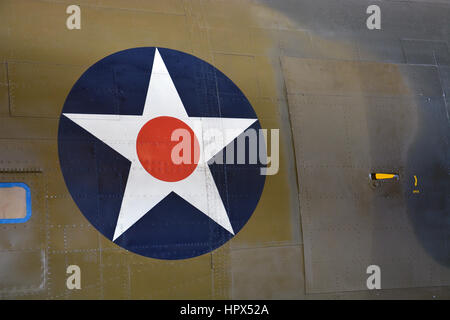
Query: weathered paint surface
[{"x": 348, "y": 102}]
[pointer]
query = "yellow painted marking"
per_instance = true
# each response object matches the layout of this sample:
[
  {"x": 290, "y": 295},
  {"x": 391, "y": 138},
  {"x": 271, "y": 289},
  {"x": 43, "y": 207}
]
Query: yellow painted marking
[
  {"x": 415, "y": 181},
  {"x": 381, "y": 176},
  {"x": 415, "y": 191}
]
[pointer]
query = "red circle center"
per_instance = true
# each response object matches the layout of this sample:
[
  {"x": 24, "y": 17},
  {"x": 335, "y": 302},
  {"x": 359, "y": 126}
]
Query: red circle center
[{"x": 167, "y": 149}]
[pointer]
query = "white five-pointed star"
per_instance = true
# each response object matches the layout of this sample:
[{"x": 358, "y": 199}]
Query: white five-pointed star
[{"x": 143, "y": 191}]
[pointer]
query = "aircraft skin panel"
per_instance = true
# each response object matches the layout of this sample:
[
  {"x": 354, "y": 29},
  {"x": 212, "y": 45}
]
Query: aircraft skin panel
[
  {"x": 4, "y": 96},
  {"x": 347, "y": 101},
  {"x": 345, "y": 217}
]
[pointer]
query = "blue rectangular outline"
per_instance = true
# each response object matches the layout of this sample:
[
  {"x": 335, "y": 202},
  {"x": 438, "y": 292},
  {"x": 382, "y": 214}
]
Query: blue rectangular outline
[{"x": 28, "y": 201}]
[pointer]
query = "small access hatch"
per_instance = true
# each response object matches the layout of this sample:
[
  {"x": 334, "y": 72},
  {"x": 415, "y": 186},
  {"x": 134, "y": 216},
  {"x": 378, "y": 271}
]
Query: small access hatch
[{"x": 15, "y": 202}]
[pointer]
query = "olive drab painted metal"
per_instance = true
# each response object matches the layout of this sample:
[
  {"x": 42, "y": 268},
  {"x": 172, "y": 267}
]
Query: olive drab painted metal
[{"x": 348, "y": 102}]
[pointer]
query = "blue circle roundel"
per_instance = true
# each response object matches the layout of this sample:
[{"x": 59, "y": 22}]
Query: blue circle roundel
[{"x": 157, "y": 150}]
